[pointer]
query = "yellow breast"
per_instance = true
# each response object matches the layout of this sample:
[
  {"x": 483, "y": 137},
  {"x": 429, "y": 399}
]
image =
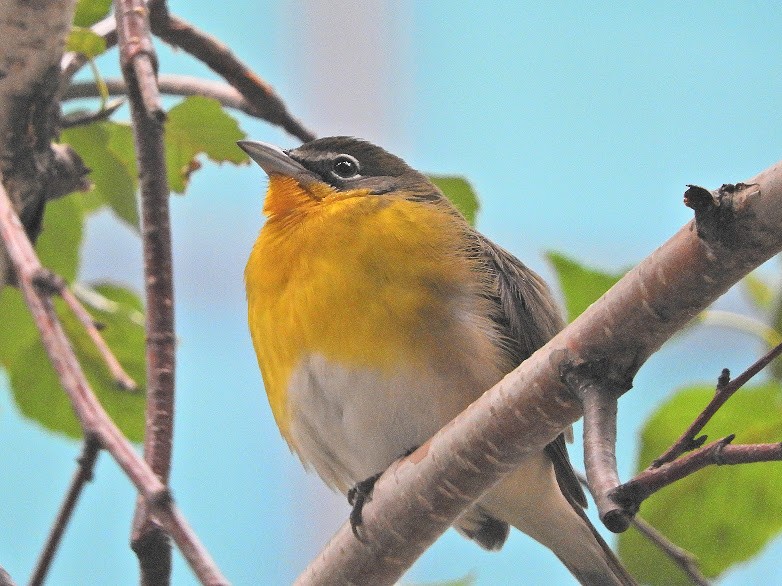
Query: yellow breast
[{"x": 368, "y": 281}]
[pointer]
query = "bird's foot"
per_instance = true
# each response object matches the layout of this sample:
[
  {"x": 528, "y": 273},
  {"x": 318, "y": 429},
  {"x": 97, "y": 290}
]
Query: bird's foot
[{"x": 357, "y": 498}]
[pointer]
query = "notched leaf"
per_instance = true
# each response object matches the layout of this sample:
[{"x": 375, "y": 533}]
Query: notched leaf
[{"x": 197, "y": 126}]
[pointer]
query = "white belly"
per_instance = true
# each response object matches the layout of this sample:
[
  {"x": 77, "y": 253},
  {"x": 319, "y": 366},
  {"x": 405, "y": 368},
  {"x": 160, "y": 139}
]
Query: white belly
[{"x": 350, "y": 423}]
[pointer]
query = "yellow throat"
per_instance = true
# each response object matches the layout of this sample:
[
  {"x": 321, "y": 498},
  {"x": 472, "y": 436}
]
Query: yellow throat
[{"x": 363, "y": 280}]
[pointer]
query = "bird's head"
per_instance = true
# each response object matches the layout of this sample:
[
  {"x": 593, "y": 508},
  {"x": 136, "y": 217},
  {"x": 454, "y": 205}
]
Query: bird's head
[{"x": 332, "y": 169}]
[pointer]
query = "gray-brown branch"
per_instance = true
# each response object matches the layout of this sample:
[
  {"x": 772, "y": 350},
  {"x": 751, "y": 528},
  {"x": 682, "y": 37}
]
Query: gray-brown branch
[{"x": 138, "y": 61}]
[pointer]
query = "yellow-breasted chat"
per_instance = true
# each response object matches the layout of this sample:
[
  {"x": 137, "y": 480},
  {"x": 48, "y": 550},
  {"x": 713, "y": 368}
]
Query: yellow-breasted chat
[{"x": 378, "y": 314}]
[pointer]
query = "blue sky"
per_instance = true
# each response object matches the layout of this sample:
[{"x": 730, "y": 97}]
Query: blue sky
[{"x": 579, "y": 126}]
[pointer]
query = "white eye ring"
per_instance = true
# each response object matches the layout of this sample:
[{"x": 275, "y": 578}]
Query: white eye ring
[{"x": 345, "y": 167}]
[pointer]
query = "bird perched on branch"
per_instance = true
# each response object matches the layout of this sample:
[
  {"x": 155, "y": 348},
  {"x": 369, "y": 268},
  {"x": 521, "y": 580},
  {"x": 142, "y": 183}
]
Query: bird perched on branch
[{"x": 378, "y": 314}]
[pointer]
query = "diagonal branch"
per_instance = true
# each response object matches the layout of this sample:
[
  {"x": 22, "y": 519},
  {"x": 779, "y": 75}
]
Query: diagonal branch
[
  {"x": 725, "y": 390},
  {"x": 53, "y": 283},
  {"x": 419, "y": 497},
  {"x": 94, "y": 420},
  {"x": 220, "y": 59},
  {"x": 678, "y": 555},
  {"x": 260, "y": 99},
  {"x": 687, "y": 562},
  {"x": 81, "y": 477}
]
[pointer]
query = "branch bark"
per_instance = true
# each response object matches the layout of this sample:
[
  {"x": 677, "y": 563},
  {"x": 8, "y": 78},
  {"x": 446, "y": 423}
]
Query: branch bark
[
  {"x": 81, "y": 477},
  {"x": 420, "y": 496},
  {"x": 139, "y": 64},
  {"x": 175, "y": 85}
]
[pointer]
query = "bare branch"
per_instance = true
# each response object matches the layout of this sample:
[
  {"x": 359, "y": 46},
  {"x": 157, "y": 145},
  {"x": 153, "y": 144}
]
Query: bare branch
[
  {"x": 680, "y": 556},
  {"x": 632, "y": 493},
  {"x": 419, "y": 497},
  {"x": 84, "y": 119},
  {"x": 88, "y": 410},
  {"x": 5, "y": 578},
  {"x": 221, "y": 60},
  {"x": 50, "y": 283},
  {"x": 138, "y": 62},
  {"x": 725, "y": 390},
  {"x": 600, "y": 410},
  {"x": 83, "y": 475},
  {"x": 137, "y": 55},
  {"x": 175, "y": 85},
  {"x": 687, "y": 562}
]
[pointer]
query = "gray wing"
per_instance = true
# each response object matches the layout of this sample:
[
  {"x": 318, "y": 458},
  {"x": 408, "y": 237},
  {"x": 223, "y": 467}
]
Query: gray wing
[{"x": 529, "y": 317}]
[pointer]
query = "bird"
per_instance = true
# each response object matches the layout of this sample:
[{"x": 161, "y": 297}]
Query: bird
[{"x": 378, "y": 314}]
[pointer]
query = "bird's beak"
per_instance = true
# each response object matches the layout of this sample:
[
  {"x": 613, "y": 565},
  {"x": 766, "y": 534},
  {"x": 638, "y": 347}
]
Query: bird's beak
[{"x": 275, "y": 161}]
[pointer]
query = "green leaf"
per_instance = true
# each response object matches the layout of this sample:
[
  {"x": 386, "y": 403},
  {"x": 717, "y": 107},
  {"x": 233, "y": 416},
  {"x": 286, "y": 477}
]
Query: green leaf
[
  {"x": 59, "y": 244},
  {"x": 36, "y": 388},
  {"x": 88, "y": 12},
  {"x": 460, "y": 193},
  {"x": 86, "y": 42},
  {"x": 107, "y": 149},
  {"x": 194, "y": 126},
  {"x": 580, "y": 285},
  {"x": 18, "y": 330},
  {"x": 723, "y": 515},
  {"x": 758, "y": 291}
]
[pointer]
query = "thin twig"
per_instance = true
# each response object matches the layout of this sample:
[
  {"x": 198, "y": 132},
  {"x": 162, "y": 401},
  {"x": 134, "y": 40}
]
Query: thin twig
[
  {"x": 88, "y": 410},
  {"x": 136, "y": 57},
  {"x": 632, "y": 493},
  {"x": 680, "y": 556},
  {"x": 52, "y": 283},
  {"x": 83, "y": 475},
  {"x": 174, "y": 85},
  {"x": 5, "y": 578},
  {"x": 687, "y": 562},
  {"x": 85, "y": 118},
  {"x": 220, "y": 59},
  {"x": 725, "y": 390}
]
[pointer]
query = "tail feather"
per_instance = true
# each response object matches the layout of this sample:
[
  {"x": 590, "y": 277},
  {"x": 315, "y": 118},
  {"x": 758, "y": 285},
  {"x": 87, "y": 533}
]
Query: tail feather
[{"x": 530, "y": 500}]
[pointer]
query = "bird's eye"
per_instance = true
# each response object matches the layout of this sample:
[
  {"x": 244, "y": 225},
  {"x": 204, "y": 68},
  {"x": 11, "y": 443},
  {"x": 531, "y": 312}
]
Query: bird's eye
[{"x": 345, "y": 167}]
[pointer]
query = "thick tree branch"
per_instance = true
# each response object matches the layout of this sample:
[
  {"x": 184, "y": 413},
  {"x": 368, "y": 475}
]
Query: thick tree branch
[
  {"x": 419, "y": 497},
  {"x": 94, "y": 420},
  {"x": 5, "y": 578},
  {"x": 83, "y": 475},
  {"x": 138, "y": 62},
  {"x": 32, "y": 37}
]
